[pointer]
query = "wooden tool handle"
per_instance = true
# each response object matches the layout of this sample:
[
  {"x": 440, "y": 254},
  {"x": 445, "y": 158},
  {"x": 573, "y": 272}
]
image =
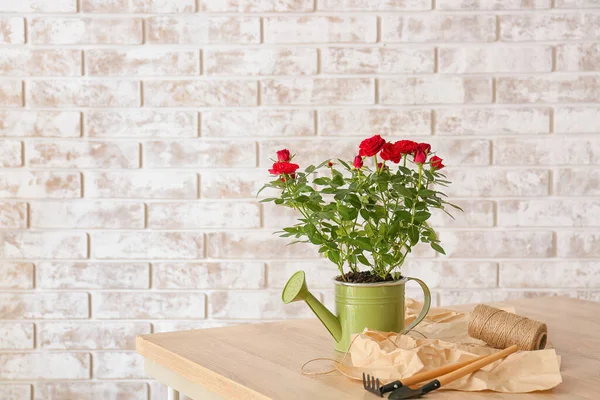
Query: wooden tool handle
[
  {"x": 434, "y": 373},
  {"x": 459, "y": 373}
]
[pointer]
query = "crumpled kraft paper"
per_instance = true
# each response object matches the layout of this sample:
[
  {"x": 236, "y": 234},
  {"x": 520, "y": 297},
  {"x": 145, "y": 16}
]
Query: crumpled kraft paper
[{"x": 442, "y": 339}]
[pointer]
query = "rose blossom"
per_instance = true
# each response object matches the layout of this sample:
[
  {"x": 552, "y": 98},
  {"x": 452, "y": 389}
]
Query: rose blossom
[
  {"x": 371, "y": 146},
  {"x": 358, "y": 162},
  {"x": 390, "y": 152},
  {"x": 421, "y": 152},
  {"x": 283, "y": 167},
  {"x": 283, "y": 155},
  {"x": 406, "y": 146},
  {"x": 436, "y": 162}
]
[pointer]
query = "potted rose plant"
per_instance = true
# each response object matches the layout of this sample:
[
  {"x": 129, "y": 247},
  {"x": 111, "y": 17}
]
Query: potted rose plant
[{"x": 365, "y": 216}]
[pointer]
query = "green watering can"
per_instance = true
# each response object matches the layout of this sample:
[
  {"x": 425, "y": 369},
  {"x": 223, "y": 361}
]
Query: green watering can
[{"x": 377, "y": 306}]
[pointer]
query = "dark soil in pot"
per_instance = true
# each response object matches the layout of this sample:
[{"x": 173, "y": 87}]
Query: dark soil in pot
[{"x": 363, "y": 277}]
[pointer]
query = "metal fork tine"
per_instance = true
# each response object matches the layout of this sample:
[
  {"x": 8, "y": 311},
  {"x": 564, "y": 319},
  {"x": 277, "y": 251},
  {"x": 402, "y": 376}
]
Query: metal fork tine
[{"x": 372, "y": 384}]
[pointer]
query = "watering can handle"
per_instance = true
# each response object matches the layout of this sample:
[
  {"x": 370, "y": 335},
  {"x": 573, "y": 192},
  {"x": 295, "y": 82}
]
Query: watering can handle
[{"x": 426, "y": 304}]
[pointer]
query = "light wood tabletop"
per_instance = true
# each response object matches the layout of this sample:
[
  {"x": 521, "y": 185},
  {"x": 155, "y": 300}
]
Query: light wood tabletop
[{"x": 262, "y": 361}]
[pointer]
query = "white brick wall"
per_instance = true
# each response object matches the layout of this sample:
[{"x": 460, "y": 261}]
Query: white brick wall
[{"x": 135, "y": 134}]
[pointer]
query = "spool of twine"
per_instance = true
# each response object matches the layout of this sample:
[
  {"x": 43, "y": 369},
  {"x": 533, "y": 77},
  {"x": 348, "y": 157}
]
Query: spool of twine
[{"x": 501, "y": 329}]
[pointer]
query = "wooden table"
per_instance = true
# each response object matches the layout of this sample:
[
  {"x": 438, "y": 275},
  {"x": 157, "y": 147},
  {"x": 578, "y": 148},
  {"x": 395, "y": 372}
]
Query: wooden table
[{"x": 262, "y": 361}]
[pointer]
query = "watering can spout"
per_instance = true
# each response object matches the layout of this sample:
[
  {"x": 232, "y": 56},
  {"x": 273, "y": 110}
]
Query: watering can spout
[{"x": 295, "y": 289}]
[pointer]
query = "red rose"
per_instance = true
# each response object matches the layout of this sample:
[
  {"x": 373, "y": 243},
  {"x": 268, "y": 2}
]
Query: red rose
[
  {"x": 421, "y": 152},
  {"x": 283, "y": 155},
  {"x": 358, "y": 162},
  {"x": 371, "y": 146},
  {"x": 390, "y": 152},
  {"x": 283, "y": 167},
  {"x": 436, "y": 162},
  {"x": 406, "y": 146}
]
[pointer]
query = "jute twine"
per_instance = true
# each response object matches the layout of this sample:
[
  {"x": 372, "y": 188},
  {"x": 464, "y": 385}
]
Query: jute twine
[{"x": 501, "y": 329}]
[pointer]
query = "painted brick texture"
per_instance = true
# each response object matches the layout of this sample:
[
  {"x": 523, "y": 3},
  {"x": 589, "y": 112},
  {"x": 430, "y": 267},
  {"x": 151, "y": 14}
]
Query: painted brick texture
[{"x": 134, "y": 135}]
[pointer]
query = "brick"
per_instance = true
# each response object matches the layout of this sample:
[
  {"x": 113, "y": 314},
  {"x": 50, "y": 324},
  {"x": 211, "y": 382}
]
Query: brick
[
  {"x": 256, "y": 123},
  {"x": 307, "y": 151},
  {"x": 549, "y": 26},
  {"x": 91, "y": 390},
  {"x": 40, "y": 62},
  {"x": 260, "y": 61},
  {"x": 93, "y": 275},
  {"x": 83, "y": 93},
  {"x": 141, "y": 184},
  {"x": 213, "y": 275},
  {"x": 277, "y": 217},
  {"x": 436, "y": 89},
  {"x": 576, "y": 119},
  {"x": 36, "y": 184},
  {"x": 254, "y": 305},
  {"x": 255, "y": 245},
  {"x": 198, "y": 215},
  {"x": 438, "y": 28},
  {"x": 477, "y": 214},
  {"x": 45, "y": 366},
  {"x": 200, "y": 154},
  {"x": 13, "y": 215},
  {"x": 142, "y": 62},
  {"x": 87, "y": 215},
  {"x": 578, "y": 244},
  {"x": 190, "y": 93},
  {"x": 16, "y": 336},
  {"x": 453, "y": 274},
  {"x": 548, "y": 89},
  {"x": 320, "y": 29},
  {"x": 70, "y": 30},
  {"x": 577, "y": 182},
  {"x": 491, "y": 244},
  {"x": 26, "y": 6},
  {"x": 11, "y": 93},
  {"x": 461, "y": 5},
  {"x": 201, "y": 30},
  {"x": 78, "y": 154},
  {"x": 461, "y": 60},
  {"x": 498, "y": 182},
  {"x": 15, "y": 392},
  {"x": 577, "y": 4},
  {"x": 45, "y": 305},
  {"x": 119, "y": 365},
  {"x": 16, "y": 275},
  {"x": 140, "y": 305},
  {"x": 318, "y": 91},
  {"x": 492, "y": 121},
  {"x": 488, "y": 296},
  {"x": 170, "y": 245},
  {"x": 556, "y": 150},
  {"x": 90, "y": 335},
  {"x": 138, "y": 6},
  {"x": 11, "y": 153},
  {"x": 16, "y": 245},
  {"x": 553, "y": 274},
  {"x": 249, "y": 6},
  {"x": 140, "y": 124},
  {"x": 12, "y": 30},
  {"x": 549, "y": 213},
  {"x": 374, "y": 5},
  {"x": 40, "y": 123},
  {"x": 460, "y": 152},
  {"x": 380, "y": 60},
  {"x": 363, "y": 122},
  {"x": 233, "y": 184},
  {"x": 319, "y": 273},
  {"x": 578, "y": 57}
]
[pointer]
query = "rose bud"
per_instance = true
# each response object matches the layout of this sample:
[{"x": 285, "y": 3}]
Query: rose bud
[
  {"x": 358, "y": 162},
  {"x": 436, "y": 162},
  {"x": 421, "y": 152},
  {"x": 330, "y": 164},
  {"x": 283, "y": 155}
]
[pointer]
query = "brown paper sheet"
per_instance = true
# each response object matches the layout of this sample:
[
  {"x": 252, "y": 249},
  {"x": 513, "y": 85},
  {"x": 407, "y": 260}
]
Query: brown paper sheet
[{"x": 442, "y": 339}]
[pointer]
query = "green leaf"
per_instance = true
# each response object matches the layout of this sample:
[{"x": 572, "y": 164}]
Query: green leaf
[
  {"x": 426, "y": 193},
  {"x": 310, "y": 169},
  {"x": 278, "y": 201},
  {"x": 363, "y": 243},
  {"x": 363, "y": 260},
  {"x": 437, "y": 248},
  {"x": 268, "y": 199},
  {"x": 313, "y": 206},
  {"x": 364, "y": 213},
  {"x": 354, "y": 200},
  {"x": 422, "y": 216},
  {"x": 338, "y": 180},
  {"x": 413, "y": 235},
  {"x": 334, "y": 256}
]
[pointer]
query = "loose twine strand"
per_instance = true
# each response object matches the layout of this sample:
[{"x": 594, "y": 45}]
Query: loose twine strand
[
  {"x": 501, "y": 329},
  {"x": 498, "y": 328}
]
